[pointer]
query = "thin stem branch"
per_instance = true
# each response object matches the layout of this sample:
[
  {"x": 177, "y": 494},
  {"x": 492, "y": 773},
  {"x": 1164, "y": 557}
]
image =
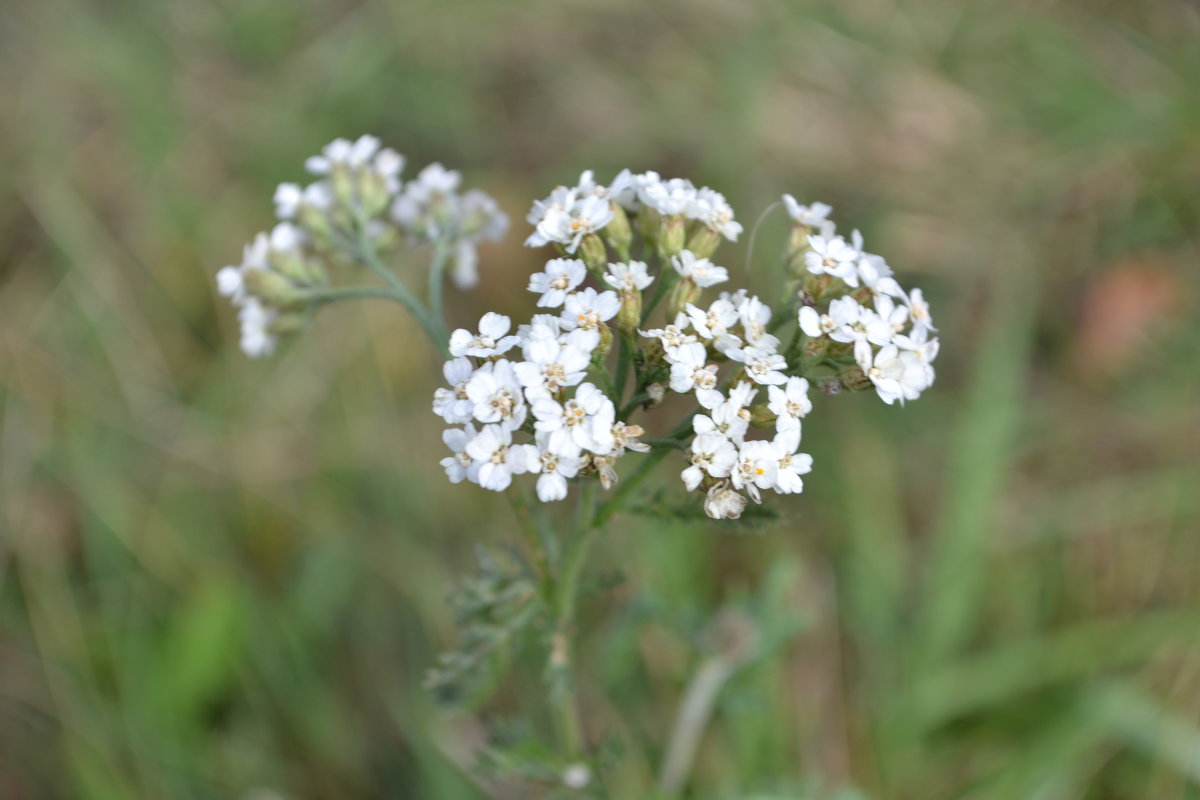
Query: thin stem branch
[
  {"x": 437, "y": 274},
  {"x": 335, "y": 293},
  {"x": 434, "y": 328}
]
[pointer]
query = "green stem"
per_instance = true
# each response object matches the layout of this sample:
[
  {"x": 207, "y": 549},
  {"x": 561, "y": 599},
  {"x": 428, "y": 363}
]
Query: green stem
[
  {"x": 563, "y": 702},
  {"x": 437, "y": 273},
  {"x": 333, "y": 294},
  {"x": 625, "y": 350},
  {"x": 534, "y": 541},
  {"x": 433, "y": 328},
  {"x": 667, "y": 277}
]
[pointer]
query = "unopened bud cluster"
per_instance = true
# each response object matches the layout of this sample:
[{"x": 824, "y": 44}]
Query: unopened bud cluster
[{"x": 358, "y": 201}]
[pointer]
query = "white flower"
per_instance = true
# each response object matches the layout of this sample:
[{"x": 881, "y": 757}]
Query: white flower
[
  {"x": 876, "y": 275},
  {"x": 762, "y": 366},
  {"x": 557, "y": 279},
  {"x": 496, "y": 458},
  {"x": 229, "y": 282},
  {"x": 549, "y": 365},
  {"x": 757, "y": 467},
  {"x": 723, "y": 502},
  {"x": 833, "y": 256},
  {"x": 791, "y": 464},
  {"x": 342, "y": 151},
  {"x": 452, "y": 404},
  {"x": 256, "y": 319},
  {"x": 702, "y": 271},
  {"x": 843, "y": 312},
  {"x": 631, "y": 277},
  {"x": 583, "y": 422},
  {"x": 625, "y": 437},
  {"x": 492, "y": 339},
  {"x": 567, "y": 219},
  {"x": 897, "y": 374},
  {"x": 755, "y": 314},
  {"x": 553, "y": 469},
  {"x": 588, "y": 308},
  {"x": 364, "y": 153},
  {"x": 815, "y": 216},
  {"x": 722, "y": 419},
  {"x": 742, "y": 395},
  {"x": 460, "y": 466},
  {"x": 288, "y": 197},
  {"x": 711, "y": 208},
  {"x": 712, "y": 454},
  {"x": 688, "y": 372},
  {"x": 889, "y": 319},
  {"x": 918, "y": 311},
  {"x": 716, "y": 321},
  {"x": 496, "y": 395},
  {"x": 789, "y": 402},
  {"x": 673, "y": 336},
  {"x": 673, "y": 196}
]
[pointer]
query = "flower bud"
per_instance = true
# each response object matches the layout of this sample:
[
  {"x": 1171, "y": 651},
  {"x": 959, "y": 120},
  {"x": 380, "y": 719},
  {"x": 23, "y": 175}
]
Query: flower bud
[
  {"x": 315, "y": 221},
  {"x": 606, "y": 340},
  {"x": 617, "y": 232},
  {"x": 761, "y": 416},
  {"x": 655, "y": 392},
  {"x": 854, "y": 379},
  {"x": 288, "y": 263},
  {"x": 288, "y": 323},
  {"x": 629, "y": 318},
  {"x": 672, "y": 233},
  {"x": 704, "y": 242},
  {"x": 342, "y": 183},
  {"x": 594, "y": 254},
  {"x": 815, "y": 350},
  {"x": 831, "y": 387},
  {"x": 723, "y": 502},
  {"x": 271, "y": 288},
  {"x": 817, "y": 286},
  {"x": 648, "y": 222},
  {"x": 372, "y": 193},
  {"x": 682, "y": 293},
  {"x": 797, "y": 246}
]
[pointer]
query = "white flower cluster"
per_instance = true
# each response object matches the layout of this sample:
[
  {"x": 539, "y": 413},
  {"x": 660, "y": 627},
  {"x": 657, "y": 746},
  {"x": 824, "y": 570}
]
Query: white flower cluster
[
  {"x": 273, "y": 272},
  {"x": 850, "y": 317},
  {"x": 723, "y": 461},
  {"x": 570, "y": 213},
  {"x": 430, "y": 208},
  {"x": 888, "y": 329},
  {"x": 572, "y": 423},
  {"x": 282, "y": 273}
]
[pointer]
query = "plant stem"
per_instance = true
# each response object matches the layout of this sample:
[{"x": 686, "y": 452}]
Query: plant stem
[
  {"x": 565, "y": 708},
  {"x": 434, "y": 328},
  {"x": 534, "y": 541},
  {"x": 437, "y": 273},
  {"x": 333, "y": 294}
]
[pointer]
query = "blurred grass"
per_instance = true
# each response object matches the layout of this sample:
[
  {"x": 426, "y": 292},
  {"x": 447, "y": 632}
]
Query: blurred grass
[{"x": 225, "y": 579}]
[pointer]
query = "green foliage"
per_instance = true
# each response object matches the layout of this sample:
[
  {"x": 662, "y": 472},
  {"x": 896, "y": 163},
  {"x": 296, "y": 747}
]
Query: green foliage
[{"x": 492, "y": 610}]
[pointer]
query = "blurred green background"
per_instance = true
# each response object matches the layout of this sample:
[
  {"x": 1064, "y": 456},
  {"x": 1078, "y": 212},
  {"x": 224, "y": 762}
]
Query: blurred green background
[{"x": 225, "y": 579}]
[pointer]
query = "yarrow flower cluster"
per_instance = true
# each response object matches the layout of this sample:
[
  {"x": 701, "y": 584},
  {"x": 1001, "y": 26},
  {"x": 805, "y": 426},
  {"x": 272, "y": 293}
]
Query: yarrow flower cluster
[
  {"x": 853, "y": 328},
  {"x": 621, "y": 322},
  {"x": 357, "y": 207}
]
